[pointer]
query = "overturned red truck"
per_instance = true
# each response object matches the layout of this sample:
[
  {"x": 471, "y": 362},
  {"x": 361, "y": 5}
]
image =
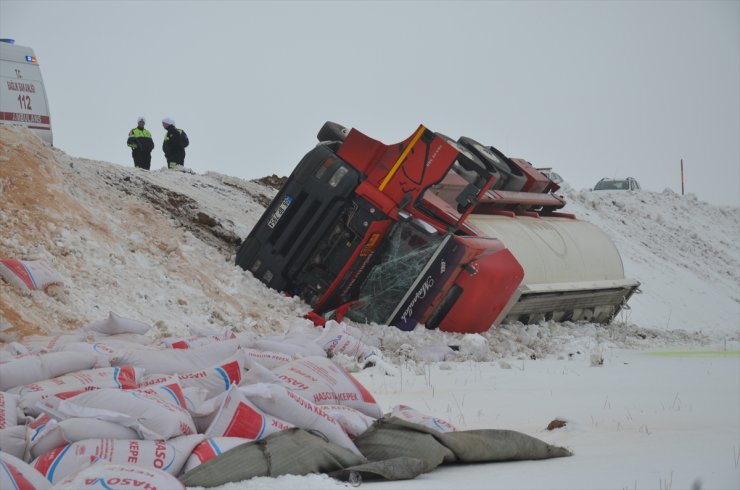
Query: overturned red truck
[{"x": 450, "y": 234}]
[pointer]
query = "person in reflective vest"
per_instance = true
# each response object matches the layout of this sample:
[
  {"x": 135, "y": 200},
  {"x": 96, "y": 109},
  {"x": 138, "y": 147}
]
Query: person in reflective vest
[
  {"x": 141, "y": 144},
  {"x": 173, "y": 145}
]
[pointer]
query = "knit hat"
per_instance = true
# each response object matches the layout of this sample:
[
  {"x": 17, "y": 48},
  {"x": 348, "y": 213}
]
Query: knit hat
[
  {"x": 140, "y": 119},
  {"x": 168, "y": 120}
]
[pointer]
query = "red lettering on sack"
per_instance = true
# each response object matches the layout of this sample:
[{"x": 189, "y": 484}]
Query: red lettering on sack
[
  {"x": 160, "y": 453},
  {"x": 293, "y": 382},
  {"x": 133, "y": 452},
  {"x": 280, "y": 425},
  {"x": 332, "y": 396},
  {"x": 155, "y": 381},
  {"x": 310, "y": 406},
  {"x": 366, "y": 396},
  {"x": 303, "y": 373},
  {"x": 186, "y": 429},
  {"x": 276, "y": 356}
]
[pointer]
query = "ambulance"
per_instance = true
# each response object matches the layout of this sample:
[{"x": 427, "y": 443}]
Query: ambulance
[{"x": 23, "y": 99}]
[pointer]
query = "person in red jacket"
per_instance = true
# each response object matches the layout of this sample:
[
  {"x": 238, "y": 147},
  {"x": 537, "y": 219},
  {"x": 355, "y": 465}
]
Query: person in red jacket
[{"x": 174, "y": 143}]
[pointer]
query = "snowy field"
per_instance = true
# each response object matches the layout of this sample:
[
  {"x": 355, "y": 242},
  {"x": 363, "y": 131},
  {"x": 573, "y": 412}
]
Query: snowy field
[{"x": 651, "y": 401}]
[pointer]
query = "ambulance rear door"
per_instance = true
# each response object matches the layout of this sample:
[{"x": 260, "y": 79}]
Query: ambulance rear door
[{"x": 22, "y": 95}]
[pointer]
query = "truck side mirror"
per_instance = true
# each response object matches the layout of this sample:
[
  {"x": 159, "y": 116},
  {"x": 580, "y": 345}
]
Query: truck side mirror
[{"x": 332, "y": 131}]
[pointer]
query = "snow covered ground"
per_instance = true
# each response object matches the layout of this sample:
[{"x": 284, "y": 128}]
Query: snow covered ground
[{"x": 662, "y": 410}]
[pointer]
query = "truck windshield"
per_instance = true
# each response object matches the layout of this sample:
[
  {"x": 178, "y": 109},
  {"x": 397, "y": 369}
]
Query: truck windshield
[{"x": 404, "y": 256}]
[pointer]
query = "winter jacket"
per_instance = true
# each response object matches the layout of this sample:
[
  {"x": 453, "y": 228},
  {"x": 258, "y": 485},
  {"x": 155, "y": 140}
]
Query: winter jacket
[
  {"x": 140, "y": 141},
  {"x": 172, "y": 146}
]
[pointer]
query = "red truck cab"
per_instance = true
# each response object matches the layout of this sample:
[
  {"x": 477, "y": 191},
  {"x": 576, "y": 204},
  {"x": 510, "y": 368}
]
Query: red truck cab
[{"x": 351, "y": 228}]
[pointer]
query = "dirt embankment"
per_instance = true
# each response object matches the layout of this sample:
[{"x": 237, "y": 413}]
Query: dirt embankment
[{"x": 32, "y": 208}]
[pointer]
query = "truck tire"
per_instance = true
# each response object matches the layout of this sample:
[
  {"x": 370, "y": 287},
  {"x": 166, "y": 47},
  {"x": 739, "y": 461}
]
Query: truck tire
[
  {"x": 510, "y": 177},
  {"x": 516, "y": 180},
  {"x": 467, "y": 158},
  {"x": 489, "y": 159}
]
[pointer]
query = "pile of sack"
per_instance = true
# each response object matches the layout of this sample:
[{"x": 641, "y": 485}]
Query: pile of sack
[{"x": 109, "y": 405}]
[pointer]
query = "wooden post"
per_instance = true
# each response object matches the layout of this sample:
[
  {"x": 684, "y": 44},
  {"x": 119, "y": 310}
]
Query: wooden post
[{"x": 682, "y": 176}]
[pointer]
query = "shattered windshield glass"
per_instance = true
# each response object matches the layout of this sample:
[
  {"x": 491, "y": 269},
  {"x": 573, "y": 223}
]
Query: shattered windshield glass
[{"x": 406, "y": 252}]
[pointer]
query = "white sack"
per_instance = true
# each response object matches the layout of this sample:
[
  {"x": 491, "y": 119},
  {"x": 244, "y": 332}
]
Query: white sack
[
  {"x": 116, "y": 324},
  {"x": 298, "y": 342},
  {"x": 238, "y": 417},
  {"x": 412, "y": 415},
  {"x": 279, "y": 402},
  {"x": 169, "y": 456},
  {"x": 210, "y": 448},
  {"x": 216, "y": 379},
  {"x": 266, "y": 358},
  {"x": 188, "y": 342},
  {"x": 352, "y": 421},
  {"x": 195, "y": 397},
  {"x": 112, "y": 476},
  {"x": 158, "y": 412},
  {"x": 132, "y": 338},
  {"x": 37, "y": 344},
  {"x": 171, "y": 361},
  {"x": 15, "y": 440},
  {"x": 12, "y": 350},
  {"x": 53, "y": 434},
  {"x": 8, "y": 410},
  {"x": 204, "y": 410},
  {"x": 245, "y": 339},
  {"x": 17, "y": 474},
  {"x": 213, "y": 380},
  {"x": 323, "y": 382},
  {"x": 29, "y": 275},
  {"x": 38, "y": 367},
  {"x": 339, "y": 339},
  {"x": 104, "y": 348},
  {"x": 123, "y": 378}
]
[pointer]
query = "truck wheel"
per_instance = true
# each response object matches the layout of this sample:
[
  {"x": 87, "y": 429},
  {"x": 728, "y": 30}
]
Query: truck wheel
[
  {"x": 516, "y": 180},
  {"x": 489, "y": 159},
  {"x": 466, "y": 158}
]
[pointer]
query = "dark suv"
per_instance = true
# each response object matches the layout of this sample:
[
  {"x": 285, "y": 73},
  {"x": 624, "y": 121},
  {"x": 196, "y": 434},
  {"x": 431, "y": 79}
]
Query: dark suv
[{"x": 626, "y": 184}]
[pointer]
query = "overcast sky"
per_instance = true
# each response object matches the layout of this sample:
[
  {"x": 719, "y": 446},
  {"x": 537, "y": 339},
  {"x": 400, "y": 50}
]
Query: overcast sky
[{"x": 591, "y": 88}]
